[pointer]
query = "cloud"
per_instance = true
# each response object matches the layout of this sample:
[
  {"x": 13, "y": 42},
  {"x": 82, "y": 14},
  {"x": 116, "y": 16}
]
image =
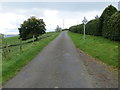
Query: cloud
[
  {"x": 73, "y": 18},
  {"x": 53, "y": 14},
  {"x": 61, "y": 6},
  {"x": 52, "y": 18},
  {"x": 10, "y": 21}
]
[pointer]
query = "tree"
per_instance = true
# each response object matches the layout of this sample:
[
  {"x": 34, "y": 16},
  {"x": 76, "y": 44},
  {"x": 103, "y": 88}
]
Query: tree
[
  {"x": 96, "y": 16},
  {"x": 58, "y": 28},
  {"x": 30, "y": 27},
  {"x": 109, "y": 11}
]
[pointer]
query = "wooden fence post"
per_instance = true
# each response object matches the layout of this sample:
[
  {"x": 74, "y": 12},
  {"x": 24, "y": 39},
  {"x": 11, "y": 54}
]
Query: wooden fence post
[
  {"x": 33, "y": 38},
  {"x": 6, "y": 51},
  {"x": 20, "y": 44}
]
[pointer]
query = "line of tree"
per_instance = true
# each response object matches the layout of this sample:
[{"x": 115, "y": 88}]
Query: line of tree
[
  {"x": 32, "y": 27},
  {"x": 107, "y": 25}
]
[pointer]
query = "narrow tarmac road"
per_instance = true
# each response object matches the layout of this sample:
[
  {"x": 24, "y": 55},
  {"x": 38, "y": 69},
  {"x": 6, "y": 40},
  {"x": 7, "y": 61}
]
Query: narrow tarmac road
[{"x": 58, "y": 65}]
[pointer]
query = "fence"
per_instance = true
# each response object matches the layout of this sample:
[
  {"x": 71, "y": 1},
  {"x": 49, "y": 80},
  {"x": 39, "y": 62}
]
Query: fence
[{"x": 7, "y": 48}]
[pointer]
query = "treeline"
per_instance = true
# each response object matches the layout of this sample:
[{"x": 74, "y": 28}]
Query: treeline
[{"x": 107, "y": 25}]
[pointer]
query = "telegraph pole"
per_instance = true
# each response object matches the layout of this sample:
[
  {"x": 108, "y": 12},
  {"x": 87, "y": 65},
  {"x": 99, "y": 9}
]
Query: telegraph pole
[
  {"x": 63, "y": 23},
  {"x": 77, "y": 22},
  {"x": 119, "y": 6}
]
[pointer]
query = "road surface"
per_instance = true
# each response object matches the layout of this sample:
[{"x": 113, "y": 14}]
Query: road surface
[{"x": 58, "y": 65}]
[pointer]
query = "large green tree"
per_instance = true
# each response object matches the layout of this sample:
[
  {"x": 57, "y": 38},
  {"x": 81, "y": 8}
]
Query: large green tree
[
  {"x": 107, "y": 13},
  {"x": 32, "y": 26}
]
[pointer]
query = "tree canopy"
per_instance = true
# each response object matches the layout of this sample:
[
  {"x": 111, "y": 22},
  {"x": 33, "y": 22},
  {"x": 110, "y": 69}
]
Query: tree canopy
[{"x": 32, "y": 26}]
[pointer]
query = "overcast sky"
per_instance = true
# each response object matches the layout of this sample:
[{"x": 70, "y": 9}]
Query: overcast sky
[{"x": 12, "y": 14}]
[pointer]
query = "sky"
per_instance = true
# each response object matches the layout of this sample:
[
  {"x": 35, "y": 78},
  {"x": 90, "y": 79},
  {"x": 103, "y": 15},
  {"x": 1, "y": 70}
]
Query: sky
[{"x": 12, "y": 14}]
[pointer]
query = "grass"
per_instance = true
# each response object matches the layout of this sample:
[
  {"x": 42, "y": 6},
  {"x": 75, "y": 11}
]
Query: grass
[
  {"x": 17, "y": 59},
  {"x": 0, "y": 65},
  {"x": 15, "y": 39},
  {"x": 98, "y": 47},
  {"x": 11, "y": 40}
]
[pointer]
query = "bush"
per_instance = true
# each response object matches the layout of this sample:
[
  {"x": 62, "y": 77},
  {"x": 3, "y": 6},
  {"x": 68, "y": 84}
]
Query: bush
[
  {"x": 107, "y": 13},
  {"x": 81, "y": 28},
  {"x": 112, "y": 27},
  {"x": 108, "y": 25},
  {"x": 77, "y": 29},
  {"x": 92, "y": 27},
  {"x": 73, "y": 29},
  {"x": 65, "y": 29}
]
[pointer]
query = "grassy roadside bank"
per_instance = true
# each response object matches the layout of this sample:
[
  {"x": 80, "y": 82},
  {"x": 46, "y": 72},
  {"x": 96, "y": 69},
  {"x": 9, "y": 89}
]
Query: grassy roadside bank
[
  {"x": 17, "y": 59},
  {"x": 98, "y": 47}
]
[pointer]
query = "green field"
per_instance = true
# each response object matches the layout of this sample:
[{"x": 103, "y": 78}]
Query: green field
[
  {"x": 11, "y": 40},
  {"x": 98, "y": 47},
  {"x": 16, "y": 40},
  {"x": 17, "y": 59}
]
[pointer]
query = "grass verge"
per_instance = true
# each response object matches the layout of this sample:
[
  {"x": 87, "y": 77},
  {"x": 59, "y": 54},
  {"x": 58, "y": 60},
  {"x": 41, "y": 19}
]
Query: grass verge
[
  {"x": 98, "y": 47},
  {"x": 17, "y": 59}
]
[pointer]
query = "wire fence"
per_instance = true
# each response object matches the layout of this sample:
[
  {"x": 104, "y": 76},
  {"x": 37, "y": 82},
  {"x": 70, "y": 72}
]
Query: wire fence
[{"x": 7, "y": 48}]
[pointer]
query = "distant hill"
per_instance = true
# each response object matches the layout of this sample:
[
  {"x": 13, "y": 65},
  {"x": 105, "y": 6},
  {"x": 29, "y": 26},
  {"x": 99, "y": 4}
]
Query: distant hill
[{"x": 9, "y": 35}]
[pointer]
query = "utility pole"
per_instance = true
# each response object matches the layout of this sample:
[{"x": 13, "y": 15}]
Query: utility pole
[
  {"x": 77, "y": 22},
  {"x": 119, "y": 6},
  {"x": 33, "y": 38},
  {"x": 20, "y": 44},
  {"x": 63, "y": 23}
]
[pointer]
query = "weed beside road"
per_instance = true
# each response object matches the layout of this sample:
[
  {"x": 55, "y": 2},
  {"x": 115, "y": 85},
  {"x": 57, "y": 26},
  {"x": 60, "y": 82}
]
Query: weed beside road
[{"x": 98, "y": 47}]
